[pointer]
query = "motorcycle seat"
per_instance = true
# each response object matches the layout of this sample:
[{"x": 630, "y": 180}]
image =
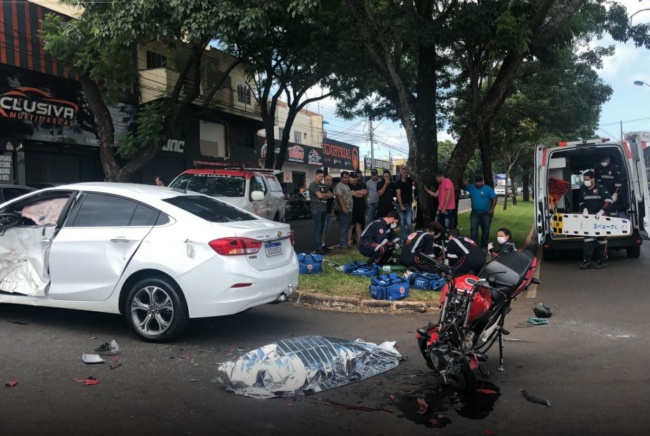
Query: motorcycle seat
[{"x": 510, "y": 268}]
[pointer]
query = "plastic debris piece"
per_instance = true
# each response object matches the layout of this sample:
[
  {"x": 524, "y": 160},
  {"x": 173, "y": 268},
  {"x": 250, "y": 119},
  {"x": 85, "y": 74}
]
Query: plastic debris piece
[
  {"x": 109, "y": 347},
  {"x": 92, "y": 358},
  {"x": 305, "y": 365},
  {"x": 115, "y": 366},
  {"x": 88, "y": 381},
  {"x": 534, "y": 399},
  {"x": 542, "y": 311},
  {"x": 94, "y": 337},
  {"x": 537, "y": 321},
  {"x": 116, "y": 360},
  {"x": 487, "y": 391},
  {"x": 10, "y": 384},
  {"x": 424, "y": 407}
]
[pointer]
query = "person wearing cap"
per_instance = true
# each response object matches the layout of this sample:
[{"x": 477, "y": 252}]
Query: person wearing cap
[
  {"x": 373, "y": 196},
  {"x": 484, "y": 200},
  {"x": 359, "y": 195}
]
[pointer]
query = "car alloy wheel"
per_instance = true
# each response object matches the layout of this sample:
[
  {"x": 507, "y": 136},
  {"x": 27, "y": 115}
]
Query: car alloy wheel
[{"x": 156, "y": 310}]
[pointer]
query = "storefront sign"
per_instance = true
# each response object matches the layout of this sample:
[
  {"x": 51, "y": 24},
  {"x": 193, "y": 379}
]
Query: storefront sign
[
  {"x": 379, "y": 164},
  {"x": 47, "y": 108},
  {"x": 334, "y": 154},
  {"x": 174, "y": 145},
  {"x": 6, "y": 168}
]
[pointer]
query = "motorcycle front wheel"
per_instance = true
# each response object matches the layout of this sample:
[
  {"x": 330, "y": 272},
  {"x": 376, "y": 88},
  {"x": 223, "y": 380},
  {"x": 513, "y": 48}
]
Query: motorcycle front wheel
[{"x": 464, "y": 380}]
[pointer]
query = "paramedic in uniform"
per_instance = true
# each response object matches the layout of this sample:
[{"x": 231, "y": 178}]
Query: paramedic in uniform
[
  {"x": 463, "y": 254},
  {"x": 594, "y": 200},
  {"x": 422, "y": 241},
  {"x": 379, "y": 240},
  {"x": 608, "y": 175}
]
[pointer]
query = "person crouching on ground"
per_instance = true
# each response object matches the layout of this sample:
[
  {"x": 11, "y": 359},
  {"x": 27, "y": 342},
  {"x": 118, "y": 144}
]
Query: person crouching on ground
[
  {"x": 464, "y": 255},
  {"x": 421, "y": 242},
  {"x": 506, "y": 244},
  {"x": 379, "y": 240}
]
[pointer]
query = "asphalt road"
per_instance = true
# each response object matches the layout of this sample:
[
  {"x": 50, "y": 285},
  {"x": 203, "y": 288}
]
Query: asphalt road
[
  {"x": 590, "y": 362},
  {"x": 304, "y": 227}
]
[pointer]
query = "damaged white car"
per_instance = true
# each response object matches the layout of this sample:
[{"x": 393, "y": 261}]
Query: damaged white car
[{"x": 158, "y": 256}]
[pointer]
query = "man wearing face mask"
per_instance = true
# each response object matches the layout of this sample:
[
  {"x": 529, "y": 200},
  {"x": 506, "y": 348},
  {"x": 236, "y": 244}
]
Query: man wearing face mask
[
  {"x": 422, "y": 241},
  {"x": 609, "y": 176},
  {"x": 379, "y": 240},
  {"x": 594, "y": 200}
]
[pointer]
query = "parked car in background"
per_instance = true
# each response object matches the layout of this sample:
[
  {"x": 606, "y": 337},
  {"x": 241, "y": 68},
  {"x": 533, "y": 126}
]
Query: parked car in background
[
  {"x": 9, "y": 192},
  {"x": 255, "y": 190},
  {"x": 156, "y": 255}
]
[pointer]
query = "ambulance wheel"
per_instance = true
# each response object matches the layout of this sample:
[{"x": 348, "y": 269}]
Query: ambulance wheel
[{"x": 634, "y": 252}]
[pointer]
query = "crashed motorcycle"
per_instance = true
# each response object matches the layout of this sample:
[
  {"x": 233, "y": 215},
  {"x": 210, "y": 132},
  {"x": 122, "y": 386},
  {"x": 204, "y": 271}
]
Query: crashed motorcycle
[{"x": 472, "y": 315}]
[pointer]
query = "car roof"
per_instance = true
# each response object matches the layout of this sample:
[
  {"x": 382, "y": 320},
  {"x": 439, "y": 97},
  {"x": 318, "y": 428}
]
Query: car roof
[
  {"x": 7, "y": 185},
  {"x": 132, "y": 190}
]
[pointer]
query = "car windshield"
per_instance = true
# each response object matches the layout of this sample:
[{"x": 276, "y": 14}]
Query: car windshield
[
  {"x": 214, "y": 185},
  {"x": 210, "y": 209}
]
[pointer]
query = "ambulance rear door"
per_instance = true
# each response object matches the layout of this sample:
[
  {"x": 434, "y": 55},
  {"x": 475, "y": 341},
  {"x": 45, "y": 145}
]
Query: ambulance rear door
[
  {"x": 640, "y": 154},
  {"x": 540, "y": 193}
]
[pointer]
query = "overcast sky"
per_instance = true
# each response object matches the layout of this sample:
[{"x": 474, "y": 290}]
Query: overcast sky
[{"x": 629, "y": 103}]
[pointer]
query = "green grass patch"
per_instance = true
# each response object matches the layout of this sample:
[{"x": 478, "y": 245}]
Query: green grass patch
[{"x": 518, "y": 219}]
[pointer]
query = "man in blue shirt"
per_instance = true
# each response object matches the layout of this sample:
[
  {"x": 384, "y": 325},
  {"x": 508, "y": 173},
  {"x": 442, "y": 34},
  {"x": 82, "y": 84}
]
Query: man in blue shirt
[{"x": 484, "y": 200}]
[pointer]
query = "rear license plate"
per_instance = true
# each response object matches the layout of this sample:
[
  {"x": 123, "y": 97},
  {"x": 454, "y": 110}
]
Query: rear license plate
[{"x": 273, "y": 249}]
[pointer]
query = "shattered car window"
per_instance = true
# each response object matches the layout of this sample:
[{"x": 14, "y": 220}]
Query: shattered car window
[
  {"x": 305, "y": 365},
  {"x": 210, "y": 209}
]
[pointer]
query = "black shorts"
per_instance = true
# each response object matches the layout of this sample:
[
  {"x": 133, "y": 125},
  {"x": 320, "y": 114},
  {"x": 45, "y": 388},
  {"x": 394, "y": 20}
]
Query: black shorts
[{"x": 358, "y": 216}]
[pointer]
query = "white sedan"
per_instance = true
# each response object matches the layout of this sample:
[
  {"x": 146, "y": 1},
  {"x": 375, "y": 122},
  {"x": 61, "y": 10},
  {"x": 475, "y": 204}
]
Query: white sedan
[{"x": 159, "y": 256}]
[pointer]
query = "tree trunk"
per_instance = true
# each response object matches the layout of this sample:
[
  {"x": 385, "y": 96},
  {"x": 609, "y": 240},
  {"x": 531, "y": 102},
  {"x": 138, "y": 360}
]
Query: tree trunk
[
  {"x": 485, "y": 146},
  {"x": 105, "y": 128},
  {"x": 525, "y": 179}
]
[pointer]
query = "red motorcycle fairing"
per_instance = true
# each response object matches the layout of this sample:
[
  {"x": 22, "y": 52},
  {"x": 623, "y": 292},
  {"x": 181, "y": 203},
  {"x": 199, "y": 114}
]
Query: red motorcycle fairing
[
  {"x": 527, "y": 278},
  {"x": 482, "y": 300},
  {"x": 433, "y": 335}
]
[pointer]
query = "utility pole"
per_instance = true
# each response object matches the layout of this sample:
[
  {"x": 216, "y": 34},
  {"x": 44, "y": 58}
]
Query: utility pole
[
  {"x": 621, "y": 131},
  {"x": 372, "y": 144}
]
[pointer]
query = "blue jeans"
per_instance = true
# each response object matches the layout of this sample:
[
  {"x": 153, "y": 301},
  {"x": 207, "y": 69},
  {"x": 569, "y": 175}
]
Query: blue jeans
[
  {"x": 405, "y": 220},
  {"x": 344, "y": 220},
  {"x": 372, "y": 210},
  {"x": 319, "y": 224},
  {"x": 483, "y": 219},
  {"x": 446, "y": 220},
  {"x": 326, "y": 226}
]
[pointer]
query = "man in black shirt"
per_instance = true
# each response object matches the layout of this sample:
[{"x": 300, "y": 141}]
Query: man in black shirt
[
  {"x": 386, "y": 191},
  {"x": 404, "y": 193},
  {"x": 359, "y": 207}
]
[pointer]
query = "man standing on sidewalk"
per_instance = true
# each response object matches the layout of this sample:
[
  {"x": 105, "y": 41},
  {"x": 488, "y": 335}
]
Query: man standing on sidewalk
[
  {"x": 343, "y": 206},
  {"x": 373, "y": 195},
  {"x": 484, "y": 200},
  {"x": 359, "y": 195},
  {"x": 446, "y": 201},
  {"x": 319, "y": 196},
  {"x": 404, "y": 190}
]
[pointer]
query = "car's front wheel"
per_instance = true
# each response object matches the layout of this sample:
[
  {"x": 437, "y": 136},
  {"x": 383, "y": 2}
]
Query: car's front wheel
[{"x": 156, "y": 310}]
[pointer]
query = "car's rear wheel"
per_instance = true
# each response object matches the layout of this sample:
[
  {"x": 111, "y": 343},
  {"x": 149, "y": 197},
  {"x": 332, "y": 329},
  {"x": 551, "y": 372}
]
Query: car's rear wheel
[
  {"x": 633, "y": 252},
  {"x": 156, "y": 310}
]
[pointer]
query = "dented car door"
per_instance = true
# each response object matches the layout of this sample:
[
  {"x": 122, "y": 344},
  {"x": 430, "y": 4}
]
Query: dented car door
[{"x": 96, "y": 243}]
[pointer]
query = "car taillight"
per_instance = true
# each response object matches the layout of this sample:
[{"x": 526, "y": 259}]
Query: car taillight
[
  {"x": 292, "y": 238},
  {"x": 235, "y": 246}
]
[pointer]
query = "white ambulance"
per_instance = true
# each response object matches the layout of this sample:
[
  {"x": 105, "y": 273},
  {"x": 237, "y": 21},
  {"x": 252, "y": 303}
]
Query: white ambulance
[{"x": 558, "y": 177}]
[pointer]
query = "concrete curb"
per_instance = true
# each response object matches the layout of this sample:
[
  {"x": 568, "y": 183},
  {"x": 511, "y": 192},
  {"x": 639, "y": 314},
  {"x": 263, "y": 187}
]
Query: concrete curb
[{"x": 354, "y": 304}]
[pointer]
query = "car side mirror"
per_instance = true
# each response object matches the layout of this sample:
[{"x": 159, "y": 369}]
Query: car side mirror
[{"x": 257, "y": 195}]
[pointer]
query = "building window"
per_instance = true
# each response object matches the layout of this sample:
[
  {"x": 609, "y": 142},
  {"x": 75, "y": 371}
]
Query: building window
[
  {"x": 297, "y": 137},
  {"x": 155, "y": 60},
  {"x": 243, "y": 93}
]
